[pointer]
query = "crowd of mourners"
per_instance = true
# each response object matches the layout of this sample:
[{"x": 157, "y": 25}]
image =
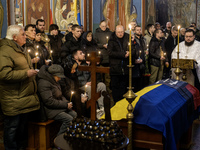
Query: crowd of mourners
[{"x": 41, "y": 69}]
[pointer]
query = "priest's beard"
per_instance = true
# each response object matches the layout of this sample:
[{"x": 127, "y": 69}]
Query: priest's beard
[{"x": 189, "y": 43}]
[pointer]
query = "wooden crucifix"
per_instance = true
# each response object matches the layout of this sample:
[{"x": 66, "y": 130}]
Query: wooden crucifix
[{"x": 93, "y": 58}]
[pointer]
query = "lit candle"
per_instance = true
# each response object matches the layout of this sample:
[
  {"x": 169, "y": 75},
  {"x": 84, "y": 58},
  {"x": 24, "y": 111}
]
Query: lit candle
[
  {"x": 51, "y": 54},
  {"x": 130, "y": 63},
  {"x": 72, "y": 92},
  {"x": 29, "y": 50},
  {"x": 85, "y": 88},
  {"x": 140, "y": 54},
  {"x": 107, "y": 39},
  {"x": 99, "y": 52},
  {"x": 88, "y": 55},
  {"x": 36, "y": 55}
]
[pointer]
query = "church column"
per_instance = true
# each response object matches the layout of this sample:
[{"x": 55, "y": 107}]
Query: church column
[
  {"x": 143, "y": 16},
  {"x": 11, "y": 12},
  {"x": 85, "y": 15},
  {"x": 90, "y": 15}
]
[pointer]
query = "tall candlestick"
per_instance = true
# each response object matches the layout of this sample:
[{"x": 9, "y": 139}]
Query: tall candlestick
[
  {"x": 178, "y": 41},
  {"x": 130, "y": 62},
  {"x": 72, "y": 92}
]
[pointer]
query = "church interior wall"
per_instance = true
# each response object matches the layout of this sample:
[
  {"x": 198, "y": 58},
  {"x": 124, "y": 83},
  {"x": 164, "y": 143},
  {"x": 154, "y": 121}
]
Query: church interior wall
[
  {"x": 181, "y": 12},
  {"x": 5, "y": 19}
]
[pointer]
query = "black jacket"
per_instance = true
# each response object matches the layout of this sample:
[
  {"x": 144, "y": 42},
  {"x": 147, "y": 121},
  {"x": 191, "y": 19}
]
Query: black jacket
[
  {"x": 51, "y": 94},
  {"x": 56, "y": 44},
  {"x": 117, "y": 52},
  {"x": 31, "y": 49},
  {"x": 154, "y": 51},
  {"x": 138, "y": 69},
  {"x": 101, "y": 39},
  {"x": 69, "y": 46},
  {"x": 170, "y": 44},
  {"x": 88, "y": 46}
]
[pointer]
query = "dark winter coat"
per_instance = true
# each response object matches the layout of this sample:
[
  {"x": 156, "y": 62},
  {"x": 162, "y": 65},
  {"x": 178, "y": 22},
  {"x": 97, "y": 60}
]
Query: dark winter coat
[
  {"x": 101, "y": 39},
  {"x": 154, "y": 51},
  {"x": 51, "y": 93},
  {"x": 69, "y": 46},
  {"x": 117, "y": 52},
  {"x": 56, "y": 45},
  {"x": 88, "y": 46}
]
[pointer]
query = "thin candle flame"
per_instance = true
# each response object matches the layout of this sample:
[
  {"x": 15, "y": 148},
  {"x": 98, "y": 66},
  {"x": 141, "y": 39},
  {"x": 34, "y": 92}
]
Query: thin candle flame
[{"x": 130, "y": 26}]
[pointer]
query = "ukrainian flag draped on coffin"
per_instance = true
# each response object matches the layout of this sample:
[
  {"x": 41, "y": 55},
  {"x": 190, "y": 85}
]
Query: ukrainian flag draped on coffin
[{"x": 168, "y": 106}]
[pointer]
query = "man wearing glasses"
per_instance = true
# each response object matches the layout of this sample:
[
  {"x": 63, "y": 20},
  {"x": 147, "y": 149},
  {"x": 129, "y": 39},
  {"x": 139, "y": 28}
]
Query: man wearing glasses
[{"x": 189, "y": 49}]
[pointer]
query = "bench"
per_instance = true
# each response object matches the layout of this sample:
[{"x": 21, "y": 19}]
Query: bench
[{"x": 42, "y": 134}]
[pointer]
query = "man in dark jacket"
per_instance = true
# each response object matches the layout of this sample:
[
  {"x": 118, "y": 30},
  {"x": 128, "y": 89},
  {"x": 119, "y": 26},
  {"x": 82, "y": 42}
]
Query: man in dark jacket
[
  {"x": 17, "y": 85},
  {"x": 170, "y": 44},
  {"x": 157, "y": 57},
  {"x": 139, "y": 60},
  {"x": 84, "y": 78},
  {"x": 118, "y": 55},
  {"x": 72, "y": 43},
  {"x": 55, "y": 104},
  {"x": 102, "y": 35}
]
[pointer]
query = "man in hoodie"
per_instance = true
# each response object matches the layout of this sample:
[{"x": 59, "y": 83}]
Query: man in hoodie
[
  {"x": 55, "y": 104},
  {"x": 72, "y": 43},
  {"x": 17, "y": 85},
  {"x": 101, "y": 36}
]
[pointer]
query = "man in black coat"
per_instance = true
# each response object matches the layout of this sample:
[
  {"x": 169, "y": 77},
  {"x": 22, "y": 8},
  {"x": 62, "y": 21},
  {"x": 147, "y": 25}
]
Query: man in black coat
[
  {"x": 118, "y": 55},
  {"x": 170, "y": 44},
  {"x": 101, "y": 36},
  {"x": 72, "y": 43},
  {"x": 139, "y": 60},
  {"x": 157, "y": 57}
]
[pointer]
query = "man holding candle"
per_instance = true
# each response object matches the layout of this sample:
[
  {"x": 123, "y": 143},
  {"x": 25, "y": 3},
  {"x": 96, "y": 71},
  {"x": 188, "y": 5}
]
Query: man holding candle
[
  {"x": 157, "y": 57},
  {"x": 17, "y": 85},
  {"x": 102, "y": 36},
  {"x": 139, "y": 60},
  {"x": 119, "y": 59},
  {"x": 56, "y": 106},
  {"x": 84, "y": 78}
]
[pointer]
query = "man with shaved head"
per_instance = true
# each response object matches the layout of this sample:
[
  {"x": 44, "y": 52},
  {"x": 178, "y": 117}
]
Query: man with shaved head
[{"x": 118, "y": 56}]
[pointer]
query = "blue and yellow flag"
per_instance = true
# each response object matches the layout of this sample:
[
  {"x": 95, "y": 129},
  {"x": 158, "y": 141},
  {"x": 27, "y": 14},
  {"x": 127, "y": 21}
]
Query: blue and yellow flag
[
  {"x": 77, "y": 11},
  {"x": 168, "y": 106}
]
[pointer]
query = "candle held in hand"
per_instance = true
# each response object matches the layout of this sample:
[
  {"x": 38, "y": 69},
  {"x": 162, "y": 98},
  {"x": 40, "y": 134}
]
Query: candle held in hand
[{"x": 72, "y": 92}]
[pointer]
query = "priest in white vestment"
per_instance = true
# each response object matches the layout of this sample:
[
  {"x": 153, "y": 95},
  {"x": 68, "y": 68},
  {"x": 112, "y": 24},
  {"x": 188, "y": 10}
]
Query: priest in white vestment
[{"x": 189, "y": 49}]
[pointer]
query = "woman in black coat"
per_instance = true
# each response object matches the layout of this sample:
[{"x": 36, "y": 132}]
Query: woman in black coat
[{"x": 88, "y": 44}]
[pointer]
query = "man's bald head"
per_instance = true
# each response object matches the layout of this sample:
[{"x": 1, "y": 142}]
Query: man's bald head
[{"x": 119, "y": 31}]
